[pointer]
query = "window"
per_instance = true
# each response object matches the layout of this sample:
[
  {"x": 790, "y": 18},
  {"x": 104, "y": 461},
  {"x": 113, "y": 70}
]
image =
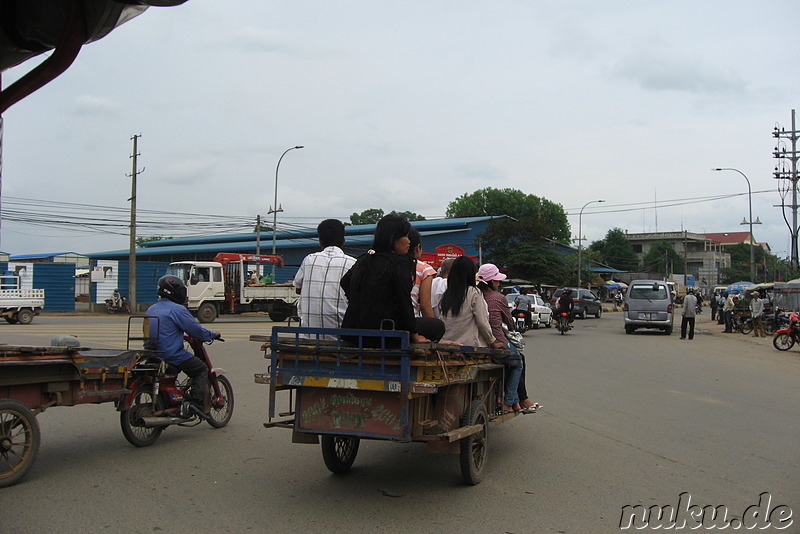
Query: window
[{"x": 648, "y": 292}]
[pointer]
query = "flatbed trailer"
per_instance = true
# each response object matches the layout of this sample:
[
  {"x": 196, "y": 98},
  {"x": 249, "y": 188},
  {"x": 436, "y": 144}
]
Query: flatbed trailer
[{"x": 341, "y": 389}]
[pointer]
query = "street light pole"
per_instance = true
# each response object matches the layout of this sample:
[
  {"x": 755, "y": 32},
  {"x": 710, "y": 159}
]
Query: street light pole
[
  {"x": 274, "y": 210},
  {"x": 580, "y": 237},
  {"x": 750, "y": 222}
]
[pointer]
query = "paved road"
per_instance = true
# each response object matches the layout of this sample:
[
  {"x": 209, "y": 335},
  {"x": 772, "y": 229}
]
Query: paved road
[{"x": 628, "y": 419}]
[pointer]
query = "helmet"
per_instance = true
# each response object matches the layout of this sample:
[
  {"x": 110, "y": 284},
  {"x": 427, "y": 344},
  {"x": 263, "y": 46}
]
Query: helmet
[
  {"x": 567, "y": 292},
  {"x": 172, "y": 288}
]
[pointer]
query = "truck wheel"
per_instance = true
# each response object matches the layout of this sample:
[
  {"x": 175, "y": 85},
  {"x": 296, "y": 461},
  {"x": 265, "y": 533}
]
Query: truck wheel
[
  {"x": 25, "y": 316},
  {"x": 11, "y": 320},
  {"x": 206, "y": 313},
  {"x": 277, "y": 316}
]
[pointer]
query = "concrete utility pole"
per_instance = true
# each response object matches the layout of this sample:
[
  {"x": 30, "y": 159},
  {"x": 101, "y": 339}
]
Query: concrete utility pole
[
  {"x": 132, "y": 243},
  {"x": 788, "y": 172}
]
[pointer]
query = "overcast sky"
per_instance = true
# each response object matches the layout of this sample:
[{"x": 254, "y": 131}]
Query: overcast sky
[{"x": 407, "y": 106}]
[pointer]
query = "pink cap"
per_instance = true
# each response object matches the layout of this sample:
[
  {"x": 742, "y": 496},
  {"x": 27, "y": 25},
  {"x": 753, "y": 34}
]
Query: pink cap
[{"x": 489, "y": 272}]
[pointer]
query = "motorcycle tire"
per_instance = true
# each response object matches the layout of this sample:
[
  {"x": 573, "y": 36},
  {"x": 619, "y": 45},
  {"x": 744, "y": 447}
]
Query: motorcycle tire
[
  {"x": 783, "y": 341},
  {"x": 747, "y": 328},
  {"x": 130, "y": 420},
  {"x": 220, "y": 414}
]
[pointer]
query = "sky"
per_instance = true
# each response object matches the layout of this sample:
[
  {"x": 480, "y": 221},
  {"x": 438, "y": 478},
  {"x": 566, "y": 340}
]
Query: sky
[{"x": 407, "y": 107}]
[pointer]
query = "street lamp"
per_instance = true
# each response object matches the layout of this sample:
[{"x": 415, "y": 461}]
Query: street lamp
[
  {"x": 750, "y": 222},
  {"x": 275, "y": 209},
  {"x": 580, "y": 237}
]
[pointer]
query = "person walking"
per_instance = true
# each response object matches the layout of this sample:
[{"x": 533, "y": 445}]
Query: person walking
[
  {"x": 757, "y": 313},
  {"x": 688, "y": 314},
  {"x": 727, "y": 310}
]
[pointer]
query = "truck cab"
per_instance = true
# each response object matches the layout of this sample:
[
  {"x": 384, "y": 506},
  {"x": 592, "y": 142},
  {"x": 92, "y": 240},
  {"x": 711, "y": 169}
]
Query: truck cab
[{"x": 205, "y": 285}]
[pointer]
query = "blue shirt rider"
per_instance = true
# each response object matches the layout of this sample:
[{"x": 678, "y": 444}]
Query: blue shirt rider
[{"x": 169, "y": 319}]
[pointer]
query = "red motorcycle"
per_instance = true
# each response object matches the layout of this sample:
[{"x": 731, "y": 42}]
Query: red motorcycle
[
  {"x": 157, "y": 399},
  {"x": 787, "y": 336}
]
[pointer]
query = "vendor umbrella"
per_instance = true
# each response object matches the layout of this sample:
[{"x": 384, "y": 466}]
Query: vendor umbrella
[{"x": 739, "y": 287}]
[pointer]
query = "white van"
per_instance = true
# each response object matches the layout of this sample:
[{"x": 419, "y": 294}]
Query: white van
[{"x": 648, "y": 304}]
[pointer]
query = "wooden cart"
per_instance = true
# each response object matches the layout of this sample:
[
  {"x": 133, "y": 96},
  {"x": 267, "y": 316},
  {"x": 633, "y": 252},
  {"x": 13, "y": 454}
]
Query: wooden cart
[{"x": 343, "y": 389}]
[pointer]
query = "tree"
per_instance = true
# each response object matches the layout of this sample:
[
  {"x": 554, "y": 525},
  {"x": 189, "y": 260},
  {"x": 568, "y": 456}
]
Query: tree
[
  {"x": 549, "y": 216},
  {"x": 520, "y": 248},
  {"x": 616, "y": 251},
  {"x": 740, "y": 263},
  {"x": 662, "y": 258},
  {"x": 140, "y": 240},
  {"x": 373, "y": 215}
]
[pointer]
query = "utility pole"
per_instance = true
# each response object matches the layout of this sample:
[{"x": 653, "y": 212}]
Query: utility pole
[
  {"x": 258, "y": 234},
  {"x": 786, "y": 169},
  {"x": 132, "y": 243}
]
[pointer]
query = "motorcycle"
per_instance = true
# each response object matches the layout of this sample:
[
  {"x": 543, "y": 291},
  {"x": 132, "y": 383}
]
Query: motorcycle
[
  {"x": 563, "y": 325},
  {"x": 520, "y": 320},
  {"x": 117, "y": 302},
  {"x": 786, "y": 337},
  {"x": 157, "y": 399}
]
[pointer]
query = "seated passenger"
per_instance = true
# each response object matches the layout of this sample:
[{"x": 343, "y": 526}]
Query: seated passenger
[
  {"x": 463, "y": 309},
  {"x": 489, "y": 277},
  {"x": 378, "y": 286}
]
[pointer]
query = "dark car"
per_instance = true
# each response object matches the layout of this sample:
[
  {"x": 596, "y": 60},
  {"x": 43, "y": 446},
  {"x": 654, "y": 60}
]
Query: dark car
[{"x": 584, "y": 301}]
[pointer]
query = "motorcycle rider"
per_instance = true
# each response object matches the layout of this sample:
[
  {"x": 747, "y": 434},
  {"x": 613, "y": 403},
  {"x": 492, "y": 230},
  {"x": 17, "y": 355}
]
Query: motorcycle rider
[
  {"x": 523, "y": 303},
  {"x": 168, "y": 320},
  {"x": 565, "y": 304}
]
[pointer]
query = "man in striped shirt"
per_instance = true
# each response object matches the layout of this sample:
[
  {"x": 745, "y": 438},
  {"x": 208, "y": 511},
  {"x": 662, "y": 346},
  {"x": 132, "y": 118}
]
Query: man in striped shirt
[{"x": 322, "y": 301}]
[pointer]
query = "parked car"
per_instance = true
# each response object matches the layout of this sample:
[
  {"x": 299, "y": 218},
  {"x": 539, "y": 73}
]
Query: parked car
[
  {"x": 648, "y": 304},
  {"x": 541, "y": 313},
  {"x": 584, "y": 301}
]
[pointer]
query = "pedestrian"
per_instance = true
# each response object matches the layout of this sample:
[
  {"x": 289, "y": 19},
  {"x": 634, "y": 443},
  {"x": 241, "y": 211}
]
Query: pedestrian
[
  {"x": 322, "y": 301},
  {"x": 727, "y": 310},
  {"x": 757, "y": 312},
  {"x": 688, "y": 314},
  {"x": 713, "y": 304}
]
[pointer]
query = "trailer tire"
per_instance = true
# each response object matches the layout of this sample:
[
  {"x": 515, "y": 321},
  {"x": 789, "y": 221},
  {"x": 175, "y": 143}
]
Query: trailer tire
[
  {"x": 25, "y": 316},
  {"x": 19, "y": 441},
  {"x": 475, "y": 447},
  {"x": 339, "y": 452},
  {"x": 206, "y": 313}
]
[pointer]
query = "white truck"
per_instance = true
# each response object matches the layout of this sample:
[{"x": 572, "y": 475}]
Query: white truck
[
  {"x": 229, "y": 284},
  {"x": 19, "y": 305}
]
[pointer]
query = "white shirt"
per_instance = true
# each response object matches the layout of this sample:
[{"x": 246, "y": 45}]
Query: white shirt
[
  {"x": 438, "y": 287},
  {"x": 322, "y": 301}
]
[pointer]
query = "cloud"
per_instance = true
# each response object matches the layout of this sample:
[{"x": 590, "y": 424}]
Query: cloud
[
  {"x": 678, "y": 74},
  {"x": 188, "y": 172},
  {"x": 264, "y": 41},
  {"x": 98, "y": 106}
]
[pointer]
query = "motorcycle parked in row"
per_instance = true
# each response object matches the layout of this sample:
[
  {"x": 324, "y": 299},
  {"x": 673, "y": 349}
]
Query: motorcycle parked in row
[
  {"x": 787, "y": 336},
  {"x": 157, "y": 399},
  {"x": 117, "y": 302},
  {"x": 563, "y": 324}
]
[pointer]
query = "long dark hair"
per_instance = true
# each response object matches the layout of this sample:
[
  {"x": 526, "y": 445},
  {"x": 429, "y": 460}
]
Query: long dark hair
[
  {"x": 389, "y": 229},
  {"x": 461, "y": 278}
]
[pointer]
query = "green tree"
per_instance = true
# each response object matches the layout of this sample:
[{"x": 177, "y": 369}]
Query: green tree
[
  {"x": 373, "y": 215},
  {"x": 520, "y": 248},
  {"x": 662, "y": 258},
  {"x": 548, "y": 216},
  {"x": 740, "y": 263},
  {"x": 616, "y": 251}
]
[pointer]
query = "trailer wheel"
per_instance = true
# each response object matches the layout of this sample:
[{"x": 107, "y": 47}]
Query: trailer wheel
[
  {"x": 206, "y": 313},
  {"x": 25, "y": 316},
  {"x": 19, "y": 441},
  {"x": 475, "y": 448},
  {"x": 339, "y": 452}
]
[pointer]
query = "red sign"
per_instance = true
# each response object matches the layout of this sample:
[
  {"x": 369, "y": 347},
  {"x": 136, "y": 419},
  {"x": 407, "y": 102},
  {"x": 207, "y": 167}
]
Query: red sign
[
  {"x": 377, "y": 413},
  {"x": 435, "y": 259}
]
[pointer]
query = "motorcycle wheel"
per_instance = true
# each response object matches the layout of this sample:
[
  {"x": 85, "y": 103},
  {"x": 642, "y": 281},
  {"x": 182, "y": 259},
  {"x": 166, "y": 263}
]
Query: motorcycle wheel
[
  {"x": 747, "y": 328},
  {"x": 783, "y": 341},
  {"x": 19, "y": 441},
  {"x": 769, "y": 327},
  {"x": 221, "y": 413},
  {"x": 144, "y": 404}
]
